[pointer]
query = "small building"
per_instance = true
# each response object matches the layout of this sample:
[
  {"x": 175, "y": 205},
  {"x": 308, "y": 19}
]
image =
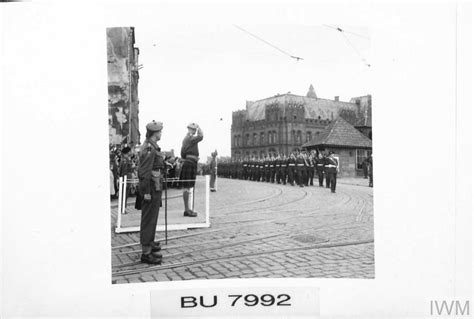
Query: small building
[{"x": 350, "y": 145}]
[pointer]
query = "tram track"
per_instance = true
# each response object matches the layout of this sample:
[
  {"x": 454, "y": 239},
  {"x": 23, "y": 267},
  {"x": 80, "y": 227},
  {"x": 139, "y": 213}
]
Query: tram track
[
  {"x": 288, "y": 234},
  {"x": 225, "y": 258}
]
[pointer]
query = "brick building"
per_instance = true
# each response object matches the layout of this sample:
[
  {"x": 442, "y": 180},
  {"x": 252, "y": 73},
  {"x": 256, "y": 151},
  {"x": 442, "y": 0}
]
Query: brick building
[
  {"x": 284, "y": 122},
  {"x": 122, "y": 71}
]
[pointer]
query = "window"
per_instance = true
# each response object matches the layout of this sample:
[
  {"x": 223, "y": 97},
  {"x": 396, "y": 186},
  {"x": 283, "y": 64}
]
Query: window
[
  {"x": 247, "y": 139},
  {"x": 309, "y": 136},
  {"x": 275, "y": 137},
  {"x": 262, "y": 138},
  {"x": 298, "y": 138},
  {"x": 255, "y": 139},
  {"x": 361, "y": 155}
]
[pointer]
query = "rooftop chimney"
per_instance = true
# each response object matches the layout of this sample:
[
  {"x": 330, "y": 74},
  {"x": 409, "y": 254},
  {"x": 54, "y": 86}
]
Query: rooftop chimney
[{"x": 336, "y": 98}]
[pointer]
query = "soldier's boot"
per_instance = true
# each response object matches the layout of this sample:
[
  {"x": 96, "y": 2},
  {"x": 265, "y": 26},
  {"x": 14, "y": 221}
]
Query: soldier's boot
[
  {"x": 187, "y": 211},
  {"x": 151, "y": 259}
]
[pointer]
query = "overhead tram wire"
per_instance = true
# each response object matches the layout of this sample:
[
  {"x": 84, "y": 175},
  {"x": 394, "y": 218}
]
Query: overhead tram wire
[
  {"x": 345, "y": 31},
  {"x": 350, "y": 43},
  {"x": 268, "y": 43}
]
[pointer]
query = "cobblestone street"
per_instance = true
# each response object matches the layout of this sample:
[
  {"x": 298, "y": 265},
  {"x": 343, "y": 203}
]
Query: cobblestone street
[{"x": 264, "y": 230}]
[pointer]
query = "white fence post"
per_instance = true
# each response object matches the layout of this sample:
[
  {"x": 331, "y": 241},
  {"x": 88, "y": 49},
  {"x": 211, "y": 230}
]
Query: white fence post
[
  {"x": 207, "y": 198},
  {"x": 119, "y": 208}
]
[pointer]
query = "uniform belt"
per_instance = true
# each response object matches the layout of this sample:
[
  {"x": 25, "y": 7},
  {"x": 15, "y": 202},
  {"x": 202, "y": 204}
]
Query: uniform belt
[
  {"x": 299, "y": 164},
  {"x": 330, "y": 165},
  {"x": 266, "y": 165},
  {"x": 194, "y": 157},
  {"x": 272, "y": 166},
  {"x": 320, "y": 164},
  {"x": 291, "y": 164}
]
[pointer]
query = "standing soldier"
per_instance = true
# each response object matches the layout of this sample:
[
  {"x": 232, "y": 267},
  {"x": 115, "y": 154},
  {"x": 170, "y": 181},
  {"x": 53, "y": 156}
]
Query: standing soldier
[
  {"x": 370, "y": 168},
  {"x": 278, "y": 172},
  {"x": 261, "y": 171},
  {"x": 333, "y": 168},
  {"x": 272, "y": 168},
  {"x": 190, "y": 156},
  {"x": 291, "y": 163},
  {"x": 320, "y": 168},
  {"x": 266, "y": 169},
  {"x": 126, "y": 169},
  {"x": 284, "y": 169},
  {"x": 245, "y": 164},
  {"x": 150, "y": 175},
  {"x": 213, "y": 167},
  {"x": 300, "y": 169},
  {"x": 326, "y": 173},
  {"x": 310, "y": 169}
]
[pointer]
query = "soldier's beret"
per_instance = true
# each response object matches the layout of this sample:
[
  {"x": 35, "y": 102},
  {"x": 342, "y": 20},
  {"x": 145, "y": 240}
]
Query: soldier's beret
[
  {"x": 154, "y": 126},
  {"x": 126, "y": 149},
  {"x": 193, "y": 126}
]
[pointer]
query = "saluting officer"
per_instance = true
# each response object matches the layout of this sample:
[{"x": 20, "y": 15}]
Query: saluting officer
[
  {"x": 150, "y": 175},
  {"x": 190, "y": 156}
]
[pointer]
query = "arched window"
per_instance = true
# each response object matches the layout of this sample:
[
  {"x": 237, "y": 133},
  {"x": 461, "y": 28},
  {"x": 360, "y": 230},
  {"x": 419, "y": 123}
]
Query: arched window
[
  {"x": 255, "y": 139},
  {"x": 293, "y": 136},
  {"x": 247, "y": 139},
  {"x": 309, "y": 136},
  {"x": 262, "y": 138},
  {"x": 275, "y": 140},
  {"x": 239, "y": 140},
  {"x": 298, "y": 138}
]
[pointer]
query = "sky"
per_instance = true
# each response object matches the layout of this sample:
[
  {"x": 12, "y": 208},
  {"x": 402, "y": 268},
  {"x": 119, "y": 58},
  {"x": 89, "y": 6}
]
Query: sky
[{"x": 203, "y": 72}]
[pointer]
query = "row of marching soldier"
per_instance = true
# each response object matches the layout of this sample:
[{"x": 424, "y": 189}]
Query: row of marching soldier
[{"x": 298, "y": 168}]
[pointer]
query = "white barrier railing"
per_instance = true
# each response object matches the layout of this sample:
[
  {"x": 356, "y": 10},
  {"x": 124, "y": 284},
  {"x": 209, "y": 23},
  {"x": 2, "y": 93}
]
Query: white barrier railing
[{"x": 122, "y": 207}]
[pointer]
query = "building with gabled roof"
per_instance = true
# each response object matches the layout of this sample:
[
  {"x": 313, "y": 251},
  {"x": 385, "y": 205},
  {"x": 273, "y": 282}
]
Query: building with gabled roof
[
  {"x": 284, "y": 122},
  {"x": 351, "y": 146}
]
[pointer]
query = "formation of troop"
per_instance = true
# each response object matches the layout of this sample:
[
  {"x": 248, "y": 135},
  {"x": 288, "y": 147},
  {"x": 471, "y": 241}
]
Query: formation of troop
[{"x": 298, "y": 168}]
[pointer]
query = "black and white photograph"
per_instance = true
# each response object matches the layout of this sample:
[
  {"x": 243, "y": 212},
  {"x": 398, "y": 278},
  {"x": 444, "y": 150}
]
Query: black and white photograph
[
  {"x": 251, "y": 171},
  {"x": 236, "y": 159}
]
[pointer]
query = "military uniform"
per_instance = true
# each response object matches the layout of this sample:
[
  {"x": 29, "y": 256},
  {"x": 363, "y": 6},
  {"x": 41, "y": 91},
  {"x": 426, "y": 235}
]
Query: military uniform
[
  {"x": 213, "y": 168},
  {"x": 332, "y": 168},
  {"x": 326, "y": 173},
  {"x": 300, "y": 170},
  {"x": 150, "y": 174},
  {"x": 291, "y": 164},
  {"x": 370, "y": 169},
  {"x": 320, "y": 170},
  {"x": 190, "y": 156},
  {"x": 310, "y": 171}
]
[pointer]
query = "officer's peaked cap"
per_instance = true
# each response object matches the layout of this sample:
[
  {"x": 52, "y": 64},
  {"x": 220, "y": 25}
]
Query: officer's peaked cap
[{"x": 154, "y": 126}]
